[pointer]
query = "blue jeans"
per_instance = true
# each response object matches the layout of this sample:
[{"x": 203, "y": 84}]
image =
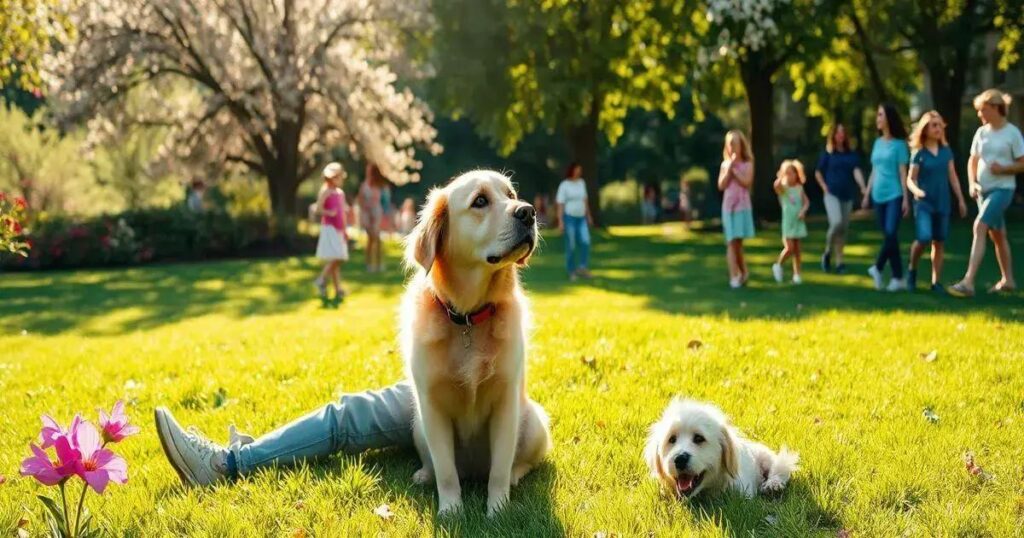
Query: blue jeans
[
  {"x": 577, "y": 239},
  {"x": 889, "y": 215},
  {"x": 358, "y": 422}
]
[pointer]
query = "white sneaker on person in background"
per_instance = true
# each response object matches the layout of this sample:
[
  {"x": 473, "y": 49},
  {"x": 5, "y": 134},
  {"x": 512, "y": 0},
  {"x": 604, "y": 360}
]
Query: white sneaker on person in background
[
  {"x": 797, "y": 279},
  {"x": 197, "y": 460},
  {"x": 777, "y": 272},
  {"x": 735, "y": 282},
  {"x": 876, "y": 275},
  {"x": 897, "y": 284}
]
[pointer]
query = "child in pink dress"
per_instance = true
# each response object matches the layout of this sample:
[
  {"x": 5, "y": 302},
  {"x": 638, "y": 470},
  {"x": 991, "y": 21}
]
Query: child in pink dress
[{"x": 332, "y": 246}]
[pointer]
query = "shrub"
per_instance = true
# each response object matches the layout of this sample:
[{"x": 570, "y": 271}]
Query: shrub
[
  {"x": 147, "y": 235},
  {"x": 620, "y": 202}
]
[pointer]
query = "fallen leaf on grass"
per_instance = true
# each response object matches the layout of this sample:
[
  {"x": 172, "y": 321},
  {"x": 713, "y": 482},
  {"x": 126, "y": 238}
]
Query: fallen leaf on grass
[
  {"x": 818, "y": 421},
  {"x": 23, "y": 522},
  {"x": 843, "y": 533},
  {"x": 576, "y": 440},
  {"x": 694, "y": 345},
  {"x": 930, "y": 356},
  {"x": 815, "y": 376},
  {"x": 220, "y": 398},
  {"x": 2, "y": 479},
  {"x": 771, "y": 520},
  {"x": 588, "y": 361},
  {"x": 384, "y": 512},
  {"x": 600, "y": 424},
  {"x": 929, "y": 414},
  {"x": 298, "y": 533},
  {"x": 974, "y": 468}
]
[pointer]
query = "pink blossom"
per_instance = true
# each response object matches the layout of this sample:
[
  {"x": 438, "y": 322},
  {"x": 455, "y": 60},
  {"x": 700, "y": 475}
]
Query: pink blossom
[
  {"x": 50, "y": 472},
  {"x": 97, "y": 465},
  {"x": 115, "y": 426},
  {"x": 52, "y": 430}
]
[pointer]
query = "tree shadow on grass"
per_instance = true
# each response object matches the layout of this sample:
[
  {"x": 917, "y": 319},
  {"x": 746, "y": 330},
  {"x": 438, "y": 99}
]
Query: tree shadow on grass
[
  {"x": 141, "y": 298},
  {"x": 685, "y": 273}
]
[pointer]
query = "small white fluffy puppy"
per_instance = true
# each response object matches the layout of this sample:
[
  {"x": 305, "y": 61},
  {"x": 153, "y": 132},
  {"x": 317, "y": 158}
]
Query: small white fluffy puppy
[{"x": 693, "y": 448}]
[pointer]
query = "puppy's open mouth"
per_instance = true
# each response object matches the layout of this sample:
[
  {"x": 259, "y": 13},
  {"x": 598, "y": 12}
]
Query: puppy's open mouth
[
  {"x": 525, "y": 245},
  {"x": 686, "y": 484}
]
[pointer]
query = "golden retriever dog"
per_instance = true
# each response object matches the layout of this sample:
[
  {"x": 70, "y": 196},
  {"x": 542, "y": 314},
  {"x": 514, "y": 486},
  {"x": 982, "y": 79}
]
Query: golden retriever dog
[
  {"x": 693, "y": 448},
  {"x": 464, "y": 336}
]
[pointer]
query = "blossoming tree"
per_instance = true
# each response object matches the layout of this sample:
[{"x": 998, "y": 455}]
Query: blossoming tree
[{"x": 271, "y": 85}]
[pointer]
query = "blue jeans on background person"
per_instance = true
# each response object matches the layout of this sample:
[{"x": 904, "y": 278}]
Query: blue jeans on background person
[
  {"x": 577, "y": 240},
  {"x": 889, "y": 215},
  {"x": 356, "y": 423}
]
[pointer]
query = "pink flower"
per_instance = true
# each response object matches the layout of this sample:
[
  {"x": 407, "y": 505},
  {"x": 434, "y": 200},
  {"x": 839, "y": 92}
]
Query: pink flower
[
  {"x": 52, "y": 431},
  {"x": 97, "y": 465},
  {"x": 115, "y": 426},
  {"x": 50, "y": 472}
]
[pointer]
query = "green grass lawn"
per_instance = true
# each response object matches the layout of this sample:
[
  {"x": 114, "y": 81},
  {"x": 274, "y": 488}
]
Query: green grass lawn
[{"x": 832, "y": 368}]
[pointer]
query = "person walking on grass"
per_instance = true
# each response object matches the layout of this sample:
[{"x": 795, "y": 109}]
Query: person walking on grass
[
  {"x": 371, "y": 215},
  {"x": 932, "y": 176},
  {"x": 332, "y": 246},
  {"x": 735, "y": 179},
  {"x": 887, "y": 188},
  {"x": 574, "y": 221},
  {"x": 997, "y": 153},
  {"x": 838, "y": 172},
  {"x": 789, "y": 185}
]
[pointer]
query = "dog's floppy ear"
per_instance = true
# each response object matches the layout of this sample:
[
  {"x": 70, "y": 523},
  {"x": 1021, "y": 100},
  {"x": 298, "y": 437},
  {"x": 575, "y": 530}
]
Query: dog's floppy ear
[
  {"x": 652, "y": 457},
  {"x": 730, "y": 458},
  {"x": 424, "y": 243}
]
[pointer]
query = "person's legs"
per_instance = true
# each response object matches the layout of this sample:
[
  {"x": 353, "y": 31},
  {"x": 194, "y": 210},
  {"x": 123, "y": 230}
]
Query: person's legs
[
  {"x": 785, "y": 253},
  {"x": 358, "y": 422},
  {"x": 1003, "y": 256},
  {"x": 583, "y": 232},
  {"x": 891, "y": 213},
  {"x": 741, "y": 263},
  {"x": 794, "y": 247},
  {"x": 730, "y": 257},
  {"x": 570, "y": 244},
  {"x": 977, "y": 253},
  {"x": 938, "y": 255},
  {"x": 336, "y": 277},
  {"x": 839, "y": 238},
  {"x": 834, "y": 213}
]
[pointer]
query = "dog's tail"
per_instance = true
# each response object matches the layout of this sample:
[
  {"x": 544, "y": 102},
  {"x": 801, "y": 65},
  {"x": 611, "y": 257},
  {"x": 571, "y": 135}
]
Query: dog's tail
[{"x": 785, "y": 464}]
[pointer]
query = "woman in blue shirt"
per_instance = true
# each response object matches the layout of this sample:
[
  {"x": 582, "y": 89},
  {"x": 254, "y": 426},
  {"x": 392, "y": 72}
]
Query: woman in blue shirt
[
  {"x": 932, "y": 176},
  {"x": 887, "y": 188},
  {"x": 838, "y": 172}
]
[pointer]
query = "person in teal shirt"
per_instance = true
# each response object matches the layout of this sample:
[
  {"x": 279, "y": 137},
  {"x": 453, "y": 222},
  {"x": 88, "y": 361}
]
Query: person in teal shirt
[
  {"x": 887, "y": 189},
  {"x": 932, "y": 177}
]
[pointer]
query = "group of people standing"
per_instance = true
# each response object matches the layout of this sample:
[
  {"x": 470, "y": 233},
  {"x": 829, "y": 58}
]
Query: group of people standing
[{"x": 914, "y": 174}]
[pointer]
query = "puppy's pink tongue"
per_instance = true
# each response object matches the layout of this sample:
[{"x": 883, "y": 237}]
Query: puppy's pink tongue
[{"x": 684, "y": 483}]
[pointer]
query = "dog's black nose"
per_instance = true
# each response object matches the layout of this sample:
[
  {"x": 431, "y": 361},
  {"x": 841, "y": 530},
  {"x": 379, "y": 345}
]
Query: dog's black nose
[
  {"x": 526, "y": 213},
  {"x": 681, "y": 461}
]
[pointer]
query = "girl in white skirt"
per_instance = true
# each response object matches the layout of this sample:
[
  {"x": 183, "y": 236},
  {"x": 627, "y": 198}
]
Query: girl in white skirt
[{"x": 332, "y": 247}]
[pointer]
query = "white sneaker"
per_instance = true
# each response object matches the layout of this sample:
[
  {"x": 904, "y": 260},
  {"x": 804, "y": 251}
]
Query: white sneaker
[
  {"x": 897, "y": 284},
  {"x": 876, "y": 275},
  {"x": 777, "y": 272},
  {"x": 321, "y": 287},
  {"x": 797, "y": 279},
  {"x": 735, "y": 283},
  {"x": 197, "y": 460}
]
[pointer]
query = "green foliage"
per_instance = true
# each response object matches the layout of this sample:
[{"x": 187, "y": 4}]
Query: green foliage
[
  {"x": 12, "y": 217},
  {"x": 620, "y": 201},
  {"x": 556, "y": 64},
  {"x": 149, "y": 235},
  {"x": 27, "y": 29}
]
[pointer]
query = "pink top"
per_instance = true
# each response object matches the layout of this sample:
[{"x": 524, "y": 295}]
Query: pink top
[
  {"x": 736, "y": 197},
  {"x": 336, "y": 201}
]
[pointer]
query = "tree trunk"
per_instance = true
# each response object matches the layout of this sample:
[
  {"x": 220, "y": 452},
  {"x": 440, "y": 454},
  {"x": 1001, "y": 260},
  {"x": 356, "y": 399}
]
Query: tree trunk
[
  {"x": 582, "y": 140},
  {"x": 760, "y": 100},
  {"x": 283, "y": 174},
  {"x": 948, "y": 84}
]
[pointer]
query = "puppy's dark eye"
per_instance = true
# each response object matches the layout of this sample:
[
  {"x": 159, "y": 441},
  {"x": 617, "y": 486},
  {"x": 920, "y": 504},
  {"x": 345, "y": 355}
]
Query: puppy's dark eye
[
  {"x": 480, "y": 201},
  {"x": 698, "y": 439},
  {"x": 672, "y": 440}
]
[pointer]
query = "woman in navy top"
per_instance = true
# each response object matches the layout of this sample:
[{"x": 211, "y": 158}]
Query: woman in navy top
[
  {"x": 838, "y": 173},
  {"x": 931, "y": 178}
]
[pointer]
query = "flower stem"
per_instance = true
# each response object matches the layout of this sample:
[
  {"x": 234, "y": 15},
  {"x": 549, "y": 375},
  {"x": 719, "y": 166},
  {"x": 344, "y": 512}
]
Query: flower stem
[
  {"x": 64, "y": 499},
  {"x": 78, "y": 516}
]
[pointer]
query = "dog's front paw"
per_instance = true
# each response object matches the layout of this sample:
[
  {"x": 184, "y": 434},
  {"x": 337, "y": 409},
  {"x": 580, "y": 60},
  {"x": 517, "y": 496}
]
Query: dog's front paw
[
  {"x": 449, "y": 506},
  {"x": 495, "y": 504},
  {"x": 423, "y": 477},
  {"x": 774, "y": 484}
]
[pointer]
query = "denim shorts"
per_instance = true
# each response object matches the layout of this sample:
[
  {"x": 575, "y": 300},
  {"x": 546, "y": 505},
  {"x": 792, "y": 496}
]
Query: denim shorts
[
  {"x": 930, "y": 225},
  {"x": 992, "y": 206}
]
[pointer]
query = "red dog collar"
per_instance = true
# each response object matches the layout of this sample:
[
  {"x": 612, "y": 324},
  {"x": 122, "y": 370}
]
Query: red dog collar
[{"x": 473, "y": 318}]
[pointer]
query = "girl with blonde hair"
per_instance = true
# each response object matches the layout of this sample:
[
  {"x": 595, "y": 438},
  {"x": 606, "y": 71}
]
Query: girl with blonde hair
[
  {"x": 789, "y": 185},
  {"x": 931, "y": 178},
  {"x": 997, "y": 153},
  {"x": 332, "y": 246},
  {"x": 735, "y": 179}
]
